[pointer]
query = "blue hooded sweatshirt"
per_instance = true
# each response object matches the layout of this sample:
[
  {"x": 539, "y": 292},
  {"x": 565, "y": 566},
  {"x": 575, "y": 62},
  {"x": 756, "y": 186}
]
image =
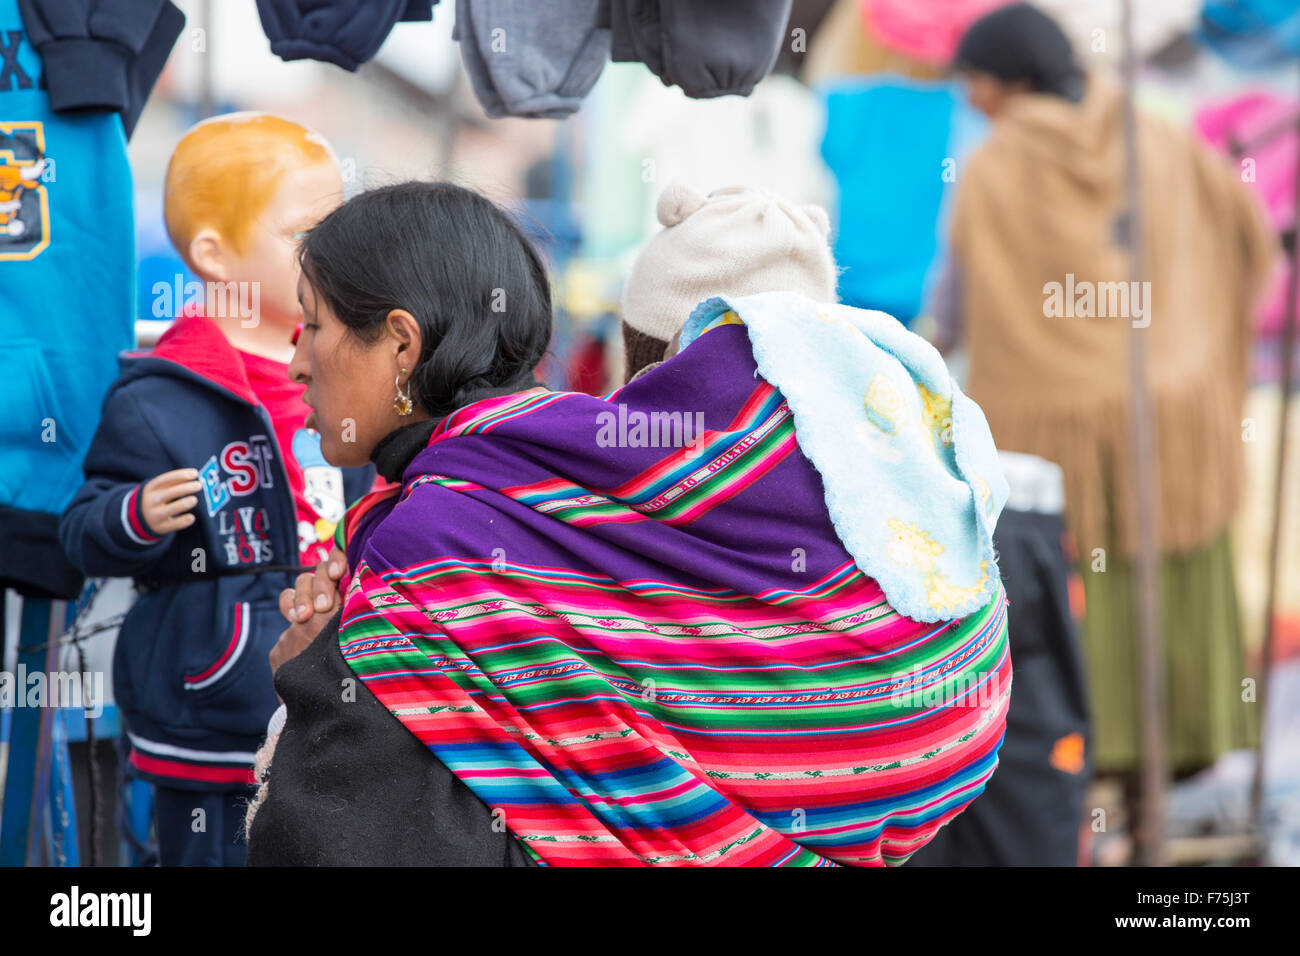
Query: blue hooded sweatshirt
[{"x": 190, "y": 671}]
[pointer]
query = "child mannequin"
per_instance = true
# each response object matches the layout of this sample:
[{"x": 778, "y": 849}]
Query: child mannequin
[
  {"x": 249, "y": 265},
  {"x": 191, "y": 485}
]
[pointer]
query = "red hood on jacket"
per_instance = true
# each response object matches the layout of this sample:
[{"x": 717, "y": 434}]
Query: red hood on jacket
[{"x": 197, "y": 343}]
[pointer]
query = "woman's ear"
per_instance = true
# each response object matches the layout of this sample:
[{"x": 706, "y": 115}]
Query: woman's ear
[{"x": 405, "y": 337}]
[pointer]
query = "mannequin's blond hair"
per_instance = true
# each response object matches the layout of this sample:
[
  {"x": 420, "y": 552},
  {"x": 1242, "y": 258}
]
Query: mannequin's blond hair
[{"x": 225, "y": 171}]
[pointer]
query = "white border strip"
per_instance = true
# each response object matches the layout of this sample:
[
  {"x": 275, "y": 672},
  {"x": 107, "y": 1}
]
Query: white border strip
[
  {"x": 167, "y": 750},
  {"x": 235, "y": 655},
  {"x": 126, "y": 521}
]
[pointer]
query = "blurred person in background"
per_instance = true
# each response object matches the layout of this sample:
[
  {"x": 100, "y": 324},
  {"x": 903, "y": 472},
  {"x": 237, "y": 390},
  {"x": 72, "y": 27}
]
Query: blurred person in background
[{"x": 1038, "y": 291}]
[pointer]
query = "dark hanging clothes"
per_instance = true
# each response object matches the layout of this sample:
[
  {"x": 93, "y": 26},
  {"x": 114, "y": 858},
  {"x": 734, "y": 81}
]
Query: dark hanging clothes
[
  {"x": 719, "y": 48},
  {"x": 101, "y": 55},
  {"x": 346, "y": 33},
  {"x": 523, "y": 63},
  {"x": 1032, "y": 807}
]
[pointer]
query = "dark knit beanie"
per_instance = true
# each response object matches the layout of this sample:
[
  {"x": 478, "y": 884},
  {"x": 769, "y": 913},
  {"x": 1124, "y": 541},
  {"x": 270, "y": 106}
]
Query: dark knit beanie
[{"x": 1020, "y": 42}]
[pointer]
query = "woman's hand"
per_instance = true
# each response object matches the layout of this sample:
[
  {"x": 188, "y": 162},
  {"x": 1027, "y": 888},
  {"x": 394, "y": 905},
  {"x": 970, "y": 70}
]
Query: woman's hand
[{"x": 308, "y": 606}]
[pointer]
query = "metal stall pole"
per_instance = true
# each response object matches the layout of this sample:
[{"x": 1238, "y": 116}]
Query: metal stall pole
[
  {"x": 1275, "y": 539},
  {"x": 1150, "y": 830},
  {"x": 207, "y": 92}
]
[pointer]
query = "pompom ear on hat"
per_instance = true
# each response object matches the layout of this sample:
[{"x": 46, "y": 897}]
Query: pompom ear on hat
[
  {"x": 677, "y": 202},
  {"x": 819, "y": 217}
]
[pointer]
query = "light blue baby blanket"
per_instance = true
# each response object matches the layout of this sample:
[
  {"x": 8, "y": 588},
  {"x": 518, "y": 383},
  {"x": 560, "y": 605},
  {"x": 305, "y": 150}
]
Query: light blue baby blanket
[{"x": 908, "y": 464}]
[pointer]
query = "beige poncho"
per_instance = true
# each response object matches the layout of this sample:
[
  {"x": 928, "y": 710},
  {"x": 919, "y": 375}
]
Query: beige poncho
[{"x": 1049, "y": 309}]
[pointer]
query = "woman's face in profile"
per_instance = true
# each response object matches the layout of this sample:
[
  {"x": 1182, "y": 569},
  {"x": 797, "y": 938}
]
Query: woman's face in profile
[{"x": 350, "y": 385}]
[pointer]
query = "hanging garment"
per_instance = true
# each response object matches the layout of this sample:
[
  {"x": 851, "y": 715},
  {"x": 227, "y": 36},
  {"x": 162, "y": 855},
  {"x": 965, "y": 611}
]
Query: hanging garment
[
  {"x": 67, "y": 271},
  {"x": 843, "y": 48},
  {"x": 928, "y": 30},
  {"x": 523, "y": 64},
  {"x": 711, "y": 49},
  {"x": 1252, "y": 33},
  {"x": 1258, "y": 132},
  {"x": 101, "y": 55},
  {"x": 892, "y": 187},
  {"x": 346, "y": 33}
]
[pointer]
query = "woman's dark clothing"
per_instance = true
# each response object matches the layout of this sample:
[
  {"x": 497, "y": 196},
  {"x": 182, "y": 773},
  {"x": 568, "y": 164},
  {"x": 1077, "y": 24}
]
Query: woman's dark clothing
[
  {"x": 399, "y": 447},
  {"x": 1031, "y": 810},
  {"x": 387, "y": 800}
]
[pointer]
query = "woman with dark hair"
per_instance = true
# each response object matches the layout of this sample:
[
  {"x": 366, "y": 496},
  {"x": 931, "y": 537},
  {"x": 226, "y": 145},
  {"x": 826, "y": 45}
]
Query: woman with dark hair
[
  {"x": 663, "y": 627},
  {"x": 1040, "y": 292},
  {"x": 436, "y": 284}
]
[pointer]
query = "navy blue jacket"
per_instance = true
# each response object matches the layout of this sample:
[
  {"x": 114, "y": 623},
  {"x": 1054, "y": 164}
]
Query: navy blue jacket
[{"x": 190, "y": 671}]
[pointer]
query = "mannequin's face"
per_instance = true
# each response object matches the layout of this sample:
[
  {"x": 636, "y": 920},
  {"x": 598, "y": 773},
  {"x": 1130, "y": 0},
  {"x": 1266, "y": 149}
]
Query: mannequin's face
[{"x": 269, "y": 262}]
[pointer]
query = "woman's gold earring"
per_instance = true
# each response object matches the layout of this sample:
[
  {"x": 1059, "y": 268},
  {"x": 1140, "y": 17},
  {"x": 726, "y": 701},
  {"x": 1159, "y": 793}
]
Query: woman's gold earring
[{"x": 402, "y": 403}]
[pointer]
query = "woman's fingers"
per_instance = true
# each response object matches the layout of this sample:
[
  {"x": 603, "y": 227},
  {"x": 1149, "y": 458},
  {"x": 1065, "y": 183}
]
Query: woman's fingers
[
  {"x": 286, "y": 605},
  {"x": 338, "y": 563},
  {"x": 324, "y": 588},
  {"x": 302, "y": 597}
]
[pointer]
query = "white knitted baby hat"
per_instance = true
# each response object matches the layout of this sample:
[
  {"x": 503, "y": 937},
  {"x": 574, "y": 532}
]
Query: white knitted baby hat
[{"x": 735, "y": 241}]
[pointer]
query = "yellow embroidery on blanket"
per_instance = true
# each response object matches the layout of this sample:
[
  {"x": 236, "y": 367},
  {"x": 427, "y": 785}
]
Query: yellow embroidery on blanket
[
  {"x": 985, "y": 495},
  {"x": 913, "y": 547},
  {"x": 947, "y": 597},
  {"x": 884, "y": 404},
  {"x": 936, "y": 414}
]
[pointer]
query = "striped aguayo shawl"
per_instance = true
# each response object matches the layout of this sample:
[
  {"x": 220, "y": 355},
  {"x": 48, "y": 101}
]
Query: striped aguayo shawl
[{"x": 636, "y": 653}]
